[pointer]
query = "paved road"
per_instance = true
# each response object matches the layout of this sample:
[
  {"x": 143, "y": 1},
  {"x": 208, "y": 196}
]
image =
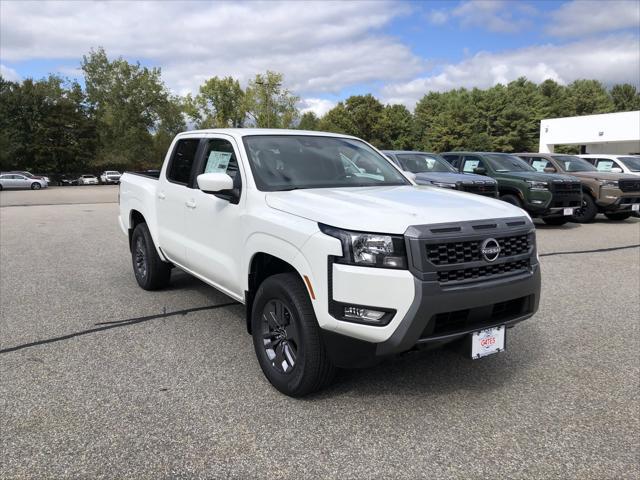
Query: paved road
[{"x": 91, "y": 393}]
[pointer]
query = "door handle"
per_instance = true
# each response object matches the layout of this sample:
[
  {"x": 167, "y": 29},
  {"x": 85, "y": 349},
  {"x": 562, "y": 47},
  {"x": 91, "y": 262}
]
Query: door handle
[
  {"x": 161, "y": 196},
  {"x": 190, "y": 204}
]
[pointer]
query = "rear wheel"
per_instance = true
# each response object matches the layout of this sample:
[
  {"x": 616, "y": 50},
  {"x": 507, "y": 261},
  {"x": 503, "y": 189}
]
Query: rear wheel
[
  {"x": 36, "y": 186},
  {"x": 287, "y": 338},
  {"x": 150, "y": 271},
  {"x": 512, "y": 199},
  {"x": 588, "y": 211},
  {"x": 555, "y": 220},
  {"x": 618, "y": 215}
]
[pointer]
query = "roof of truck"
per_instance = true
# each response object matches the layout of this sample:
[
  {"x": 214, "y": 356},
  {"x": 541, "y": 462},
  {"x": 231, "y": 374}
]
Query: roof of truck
[{"x": 245, "y": 132}]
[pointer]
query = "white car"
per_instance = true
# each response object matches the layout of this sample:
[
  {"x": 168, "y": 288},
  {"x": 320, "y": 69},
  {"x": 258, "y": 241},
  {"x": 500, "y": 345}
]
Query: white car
[
  {"x": 110, "y": 176},
  {"x": 87, "y": 180},
  {"x": 18, "y": 180},
  {"x": 629, "y": 164},
  {"x": 336, "y": 266}
]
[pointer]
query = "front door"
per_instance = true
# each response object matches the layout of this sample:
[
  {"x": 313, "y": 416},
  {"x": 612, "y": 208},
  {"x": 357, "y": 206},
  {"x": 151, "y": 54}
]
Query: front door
[{"x": 215, "y": 244}]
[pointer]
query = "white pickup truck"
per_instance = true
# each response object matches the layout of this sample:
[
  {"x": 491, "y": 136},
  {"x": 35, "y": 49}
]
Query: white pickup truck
[{"x": 337, "y": 266}]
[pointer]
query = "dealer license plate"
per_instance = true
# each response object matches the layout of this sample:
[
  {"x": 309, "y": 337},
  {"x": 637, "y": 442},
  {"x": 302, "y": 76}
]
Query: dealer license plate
[
  {"x": 487, "y": 342},
  {"x": 635, "y": 207},
  {"x": 568, "y": 212}
]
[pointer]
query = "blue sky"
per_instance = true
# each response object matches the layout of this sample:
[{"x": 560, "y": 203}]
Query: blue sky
[{"x": 329, "y": 50}]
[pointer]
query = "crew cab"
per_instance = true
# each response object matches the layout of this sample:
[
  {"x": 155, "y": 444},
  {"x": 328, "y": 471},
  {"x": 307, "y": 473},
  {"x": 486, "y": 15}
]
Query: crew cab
[
  {"x": 614, "y": 194},
  {"x": 552, "y": 197},
  {"x": 431, "y": 169},
  {"x": 336, "y": 266}
]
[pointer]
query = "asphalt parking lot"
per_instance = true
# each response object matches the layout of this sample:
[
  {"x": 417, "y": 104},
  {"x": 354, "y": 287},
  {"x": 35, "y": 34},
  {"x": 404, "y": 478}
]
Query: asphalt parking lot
[{"x": 99, "y": 378}]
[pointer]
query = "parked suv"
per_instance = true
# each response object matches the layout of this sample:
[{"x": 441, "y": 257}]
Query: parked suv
[
  {"x": 629, "y": 164},
  {"x": 614, "y": 194},
  {"x": 552, "y": 197},
  {"x": 338, "y": 266},
  {"x": 110, "y": 176},
  {"x": 431, "y": 169}
]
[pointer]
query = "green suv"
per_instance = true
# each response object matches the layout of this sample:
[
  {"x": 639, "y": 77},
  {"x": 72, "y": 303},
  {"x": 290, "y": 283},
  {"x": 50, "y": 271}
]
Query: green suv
[{"x": 550, "y": 196}]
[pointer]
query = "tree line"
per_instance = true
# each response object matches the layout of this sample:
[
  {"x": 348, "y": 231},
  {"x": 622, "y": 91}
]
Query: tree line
[{"x": 125, "y": 116}]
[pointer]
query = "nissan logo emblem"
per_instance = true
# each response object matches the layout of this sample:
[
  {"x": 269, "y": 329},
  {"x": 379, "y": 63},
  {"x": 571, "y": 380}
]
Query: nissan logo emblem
[{"x": 490, "y": 249}]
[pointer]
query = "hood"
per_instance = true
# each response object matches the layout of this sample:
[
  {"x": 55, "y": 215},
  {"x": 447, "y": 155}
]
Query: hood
[
  {"x": 450, "y": 177},
  {"x": 389, "y": 209},
  {"x": 538, "y": 176},
  {"x": 603, "y": 175}
]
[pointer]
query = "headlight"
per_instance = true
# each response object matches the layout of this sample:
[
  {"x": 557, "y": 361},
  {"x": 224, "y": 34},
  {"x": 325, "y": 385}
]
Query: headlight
[
  {"x": 444, "y": 185},
  {"x": 609, "y": 183},
  {"x": 369, "y": 249},
  {"x": 533, "y": 185}
]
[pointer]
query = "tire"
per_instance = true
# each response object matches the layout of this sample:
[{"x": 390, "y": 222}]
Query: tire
[
  {"x": 150, "y": 271},
  {"x": 512, "y": 199},
  {"x": 588, "y": 212},
  {"x": 555, "y": 220},
  {"x": 298, "y": 363},
  {"x": 618, "y": 216},
  {"x": 36, "y": 186}
]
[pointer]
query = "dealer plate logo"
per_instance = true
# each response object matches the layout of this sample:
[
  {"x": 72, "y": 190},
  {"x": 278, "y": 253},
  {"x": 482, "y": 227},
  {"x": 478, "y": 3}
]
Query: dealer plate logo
[{"x": 490, "y": 249}]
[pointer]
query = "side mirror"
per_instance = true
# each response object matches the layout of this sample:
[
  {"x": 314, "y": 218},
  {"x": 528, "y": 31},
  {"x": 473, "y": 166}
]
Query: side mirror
[
  {"x": 549, "y": 170},
  {"x": 616, "y": 170},
  {"x": 480, "y": 171},
  {"x": 214, "y": 182}
]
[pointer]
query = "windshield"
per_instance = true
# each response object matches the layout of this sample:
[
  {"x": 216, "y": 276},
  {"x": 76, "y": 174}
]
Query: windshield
[
  {"x": 574, "y": 164},
  {"x": 289, "y": 162},
  {"x": 113, "y": 173},
  {"x": 87, "y": 176},
  {"x": 422, "y": 162},
  {"x": 632, "y": 163},
  {"x": 507, "y": 163}
]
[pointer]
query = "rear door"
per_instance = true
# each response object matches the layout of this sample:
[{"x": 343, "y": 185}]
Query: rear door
[
  {"x": 214, "y": 222},
  {"x": 172, "y": 197}
]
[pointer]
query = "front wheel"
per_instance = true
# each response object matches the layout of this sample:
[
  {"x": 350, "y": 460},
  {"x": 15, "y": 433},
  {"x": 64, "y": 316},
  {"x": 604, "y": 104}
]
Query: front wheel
[
  {"x": 150, "y": 271},
  {"x": 287, "y": 338},
  {"x": 512, "y": 199},
  {"x": 588, "y": 211},
  {"x": 36, "y": 186},
  {"x": 557, "y": 221},
  {"x": 618, "y": 216}
]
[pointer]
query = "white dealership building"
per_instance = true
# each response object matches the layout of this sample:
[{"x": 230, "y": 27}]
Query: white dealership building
[{"x": 614, "y": 133}]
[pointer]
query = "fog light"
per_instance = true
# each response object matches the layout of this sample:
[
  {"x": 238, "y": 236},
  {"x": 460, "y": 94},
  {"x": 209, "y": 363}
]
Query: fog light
[{"x": 364, "y": 315}]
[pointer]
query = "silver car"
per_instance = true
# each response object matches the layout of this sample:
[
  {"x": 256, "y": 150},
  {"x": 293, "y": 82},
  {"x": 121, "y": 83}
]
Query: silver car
[{"x": 17, "y": 180}]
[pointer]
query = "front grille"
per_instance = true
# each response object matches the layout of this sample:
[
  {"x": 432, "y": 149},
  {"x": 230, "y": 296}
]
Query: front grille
[
  {"x": 488, "y": 190},
  {"x": 629, "y": 200},
  {"x": 566, "y": 194},
  {"x": 477, "y": 273},
  {"x": 476, "y": 318},
  {"x": 629, "y": 185},
  {"x": 465, "y": 252}
]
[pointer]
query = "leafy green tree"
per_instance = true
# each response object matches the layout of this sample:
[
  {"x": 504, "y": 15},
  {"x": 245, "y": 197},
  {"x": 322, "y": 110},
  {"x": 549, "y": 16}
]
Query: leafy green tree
[
  {"x": 130, "y": 102},
  {"x": 587, "y": 97},
  {"x": 358, "y": 115},
  {"x": 309, "y": 121},
  {"x": 396, "y": 128},
  {"x": 625, "y": 98},
  {"x": 268, "y": 104},
  {"x": 218, "y": 104}
]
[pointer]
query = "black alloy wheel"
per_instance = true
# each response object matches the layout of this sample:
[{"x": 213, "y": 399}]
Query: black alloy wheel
[
  {"x": 280, "y": 336},
  {"x": 587, "y": 212},
  {"x": 150, "y": 271},
  {"x": 140, "y": 259}
]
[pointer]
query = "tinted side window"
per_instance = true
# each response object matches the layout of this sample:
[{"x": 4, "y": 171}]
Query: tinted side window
[
  {"x": 182, "y": 160},
  {"x": 540, "y": 163},
  {"x": 452, "y": 159}
]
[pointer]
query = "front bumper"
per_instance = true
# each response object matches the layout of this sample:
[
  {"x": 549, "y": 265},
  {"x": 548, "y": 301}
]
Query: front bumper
[
  {"x": 431, "y": 309},
  {"x": 615, "y": 200}
]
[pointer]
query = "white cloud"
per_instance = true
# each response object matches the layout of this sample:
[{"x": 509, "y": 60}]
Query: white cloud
[
  {"x": 9, "y": 74},
  {"x": 437, "y": 17},
  {"x": 319, "y": 47},
  {"x": 494, "y": 15},
  {"x": 611, "y": 60},
  {"x": 582, "y": 17},
  {"x": 319, "y": 106}
]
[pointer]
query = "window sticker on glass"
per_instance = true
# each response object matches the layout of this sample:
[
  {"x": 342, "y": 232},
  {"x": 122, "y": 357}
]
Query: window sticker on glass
[
  {"x": 539, "y": 165},
  {"x": 217, "y": 162},
  {"x": 470, "y": 165}
]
